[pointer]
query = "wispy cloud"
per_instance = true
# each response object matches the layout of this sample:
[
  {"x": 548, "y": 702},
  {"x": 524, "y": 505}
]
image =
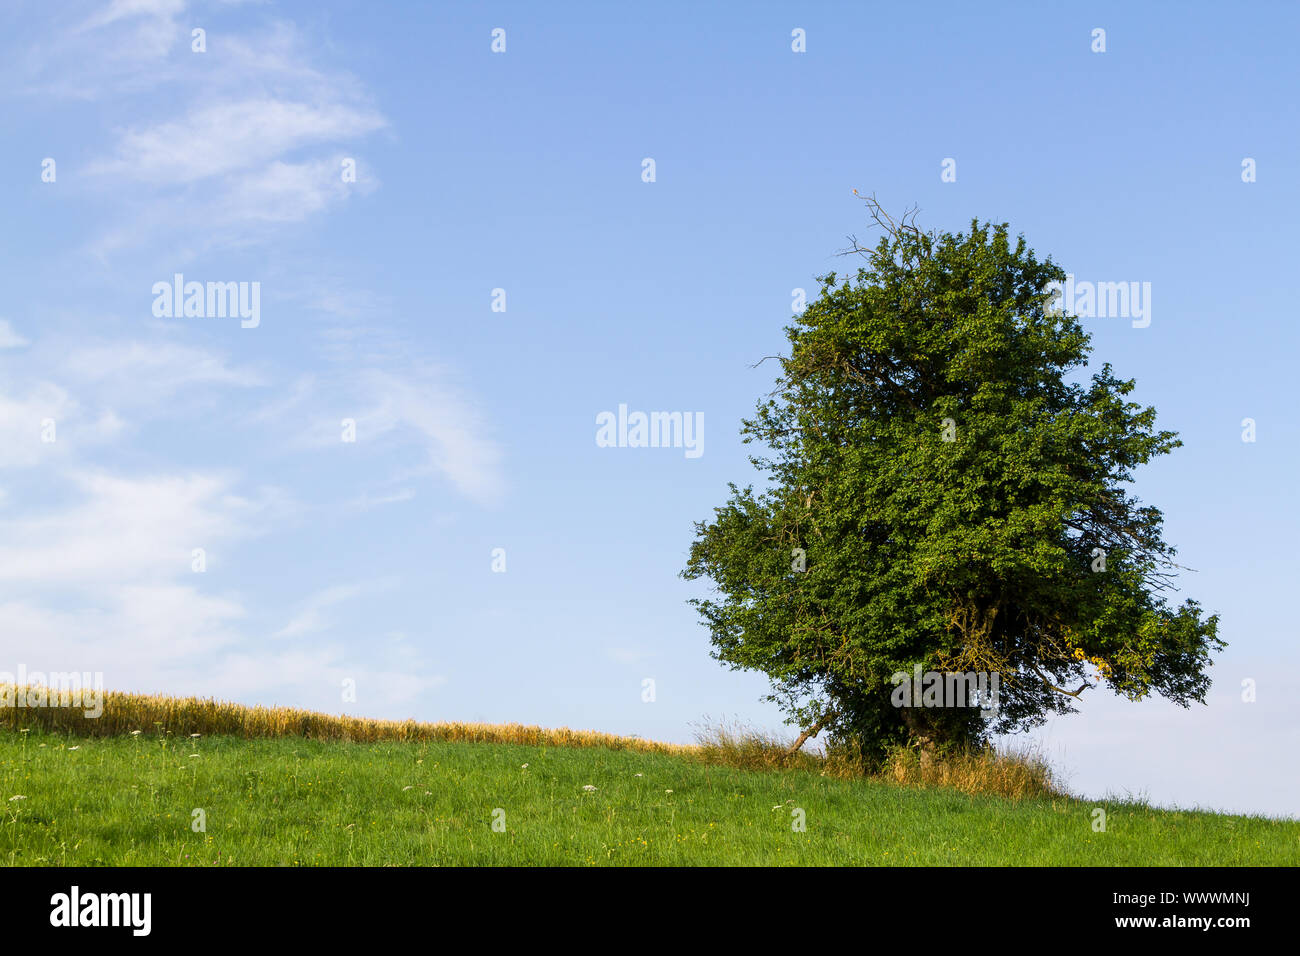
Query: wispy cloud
[
  {"x": 312, "y": 616},
  {"x": 155, "y": 15},
  {"x": 232, "y": 137},
  {"x": 398, "y": 407},
  {"x": 9, "y": 339},
  {"x": 93, "y": 50},
  {"x": 119, "y": 530},
  {"x": 287, "y": 192},
  {"x": 367, "y": 501},
  {"x": 147, "y": 373},
  {"x": 395, "y": 407},
  {"x": 27, "y": 416},
  {"x": 250, "y": 133},
  {"x": 190, "y": 155}
]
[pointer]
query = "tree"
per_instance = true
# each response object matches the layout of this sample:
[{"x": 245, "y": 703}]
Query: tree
[{"x": 940, "y": 494}]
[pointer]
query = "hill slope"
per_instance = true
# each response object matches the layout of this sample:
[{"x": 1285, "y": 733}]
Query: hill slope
[{"x": 82, "y": 800}]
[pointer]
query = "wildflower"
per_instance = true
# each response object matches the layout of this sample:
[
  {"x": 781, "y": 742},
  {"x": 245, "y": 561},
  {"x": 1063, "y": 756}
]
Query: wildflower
[
  {"x": 667, "y": 791},
  {"x": 589, "y": 788},
  {"x": 17, "y": 796},
  {"x": 74, "y": 748},
  {"x": 135, "y": 733},
  {"x": 524, "y": 767},
  {"x": 406, "y": 788}
]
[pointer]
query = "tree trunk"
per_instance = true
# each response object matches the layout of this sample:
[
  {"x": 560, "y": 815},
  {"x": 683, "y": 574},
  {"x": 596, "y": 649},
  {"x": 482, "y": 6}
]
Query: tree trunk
[{"x": 812, "y": 731}]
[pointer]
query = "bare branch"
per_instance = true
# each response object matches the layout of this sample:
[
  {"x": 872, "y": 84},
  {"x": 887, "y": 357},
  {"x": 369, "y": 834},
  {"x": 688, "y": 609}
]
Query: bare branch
[{"x": 1060, "y": 690}]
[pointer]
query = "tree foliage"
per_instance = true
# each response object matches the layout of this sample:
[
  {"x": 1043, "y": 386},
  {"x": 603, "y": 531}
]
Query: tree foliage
[{"x": 955, "y": 500}]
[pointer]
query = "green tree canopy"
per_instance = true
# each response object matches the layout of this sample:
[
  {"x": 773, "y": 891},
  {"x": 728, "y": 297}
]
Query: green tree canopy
[{"x": 938, "y": 493}]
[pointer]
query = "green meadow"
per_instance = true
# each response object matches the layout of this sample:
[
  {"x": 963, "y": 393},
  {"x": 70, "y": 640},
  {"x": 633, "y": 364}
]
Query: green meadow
[{"x": 286, "y": 801}]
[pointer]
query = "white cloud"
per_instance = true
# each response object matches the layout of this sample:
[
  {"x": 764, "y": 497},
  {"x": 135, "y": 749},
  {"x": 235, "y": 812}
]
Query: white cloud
[
  {"x": 174, "y": 640},
  {"x": 366, "y": 501},
  {"x": 164, "y": 10},
  {"x": 133, "y": 636},
  {"x": 20, "y": 425},
  {"x": 287, "y": 192},
  {"x": 248, "y": 134},
  {"x": 395, "y": 407},
  {"x": 311, "y": 617},
  {"x": 148, "y": 28},
  {"x": 107, "y": 577},
  {"x": 232, "y": 137},
  {"x": 9, "y": 339},
  {"x": 108, "y": 586},
  {"x": 313, "y": 677},
  {"x": 125, "y": 530},
  {"x": 219, "y": 149},
  {"x": 303, "y": 388},
  {"x": 149, "y": 373},
  {"x": 89, "y": 51},
  {"x": 149, "y": 379},
  {"x": 453, "y": 432}
]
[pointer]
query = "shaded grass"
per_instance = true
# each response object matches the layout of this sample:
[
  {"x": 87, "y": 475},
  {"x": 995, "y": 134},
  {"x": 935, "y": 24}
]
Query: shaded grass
[
  {"x": 1016, "y": 775},
  {"x": 1013, "y": 774}
]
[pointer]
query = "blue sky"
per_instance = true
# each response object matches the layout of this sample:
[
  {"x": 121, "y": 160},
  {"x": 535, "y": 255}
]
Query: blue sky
[{"x": 371, "y": 561}]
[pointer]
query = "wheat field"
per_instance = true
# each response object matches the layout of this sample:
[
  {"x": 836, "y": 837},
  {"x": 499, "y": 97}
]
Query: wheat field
[{"x": 185, "y": 716}]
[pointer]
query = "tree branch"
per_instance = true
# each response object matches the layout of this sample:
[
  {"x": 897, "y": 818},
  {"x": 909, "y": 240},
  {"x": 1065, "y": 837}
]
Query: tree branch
[
  {"x": 812, "y": 731},
  {"x": 1060, "y": 690}
]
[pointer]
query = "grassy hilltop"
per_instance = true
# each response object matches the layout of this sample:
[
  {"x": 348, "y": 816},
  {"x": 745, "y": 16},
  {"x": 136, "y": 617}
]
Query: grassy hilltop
[{"x": 80, "y": 792}]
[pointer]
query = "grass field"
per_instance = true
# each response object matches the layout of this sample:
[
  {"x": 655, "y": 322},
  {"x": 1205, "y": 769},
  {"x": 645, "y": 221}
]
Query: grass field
[{"x": 130, "y": 800}]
